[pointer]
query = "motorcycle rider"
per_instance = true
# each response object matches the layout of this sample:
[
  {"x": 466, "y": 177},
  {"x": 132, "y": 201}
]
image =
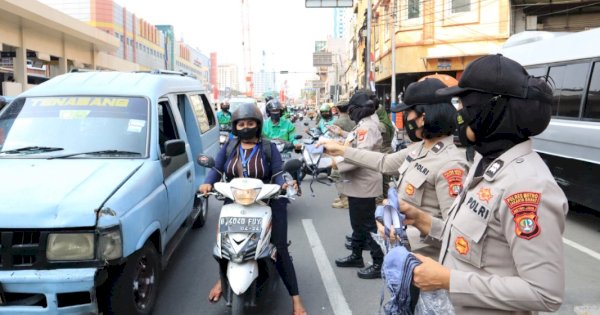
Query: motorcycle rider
[
  {"x": 247, "y": 125},
  {"x": 327, "y": 118},
  {"x": 278, "y": 127},
  {"x": 224, "y": 116}
]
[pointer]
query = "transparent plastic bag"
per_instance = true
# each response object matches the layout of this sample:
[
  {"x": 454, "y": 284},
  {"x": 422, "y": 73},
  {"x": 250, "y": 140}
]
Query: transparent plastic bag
[{"x": 434, "y": 303}]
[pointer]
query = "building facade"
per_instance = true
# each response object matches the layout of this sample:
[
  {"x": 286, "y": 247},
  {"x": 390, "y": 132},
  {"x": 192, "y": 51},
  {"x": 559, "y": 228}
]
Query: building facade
[
  {"x": 150, "y": 46},
  {"x": 228, "y": 77},
  {"x": 264, "y": 82}
]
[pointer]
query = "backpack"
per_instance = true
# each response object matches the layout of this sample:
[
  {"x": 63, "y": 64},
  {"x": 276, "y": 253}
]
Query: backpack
[{"x": 265, "y": 146}]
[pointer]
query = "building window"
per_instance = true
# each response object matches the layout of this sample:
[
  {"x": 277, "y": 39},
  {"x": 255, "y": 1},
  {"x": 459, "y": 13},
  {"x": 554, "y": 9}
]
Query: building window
[
  {"x": 461, "y": 6},
  {"x": 414, "y": 8}
]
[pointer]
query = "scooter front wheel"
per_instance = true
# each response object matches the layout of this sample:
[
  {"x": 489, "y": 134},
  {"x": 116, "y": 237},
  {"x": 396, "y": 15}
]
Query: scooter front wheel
[{"x": 237, "y": 303}]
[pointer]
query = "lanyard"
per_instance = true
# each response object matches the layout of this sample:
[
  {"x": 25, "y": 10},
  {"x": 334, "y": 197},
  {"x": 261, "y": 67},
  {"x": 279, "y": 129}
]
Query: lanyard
[{"x": 246, "y": 160}]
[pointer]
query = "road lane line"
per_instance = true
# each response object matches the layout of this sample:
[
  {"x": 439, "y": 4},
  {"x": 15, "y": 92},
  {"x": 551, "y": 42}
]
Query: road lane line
[
  {"x": 582, "y": 248},
  {"x": 338, "y": 302}
]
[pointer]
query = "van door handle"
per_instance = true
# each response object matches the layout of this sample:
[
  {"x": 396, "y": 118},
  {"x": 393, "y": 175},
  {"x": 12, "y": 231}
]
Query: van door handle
[{"x": 189, "y": 174}]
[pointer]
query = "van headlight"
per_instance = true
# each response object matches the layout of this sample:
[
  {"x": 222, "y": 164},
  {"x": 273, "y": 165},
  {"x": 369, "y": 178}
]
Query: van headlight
[
  {"x": 70, "y": 246},
  {"x": 110, "y": 243},
  {"x": 245, "y": 196}
]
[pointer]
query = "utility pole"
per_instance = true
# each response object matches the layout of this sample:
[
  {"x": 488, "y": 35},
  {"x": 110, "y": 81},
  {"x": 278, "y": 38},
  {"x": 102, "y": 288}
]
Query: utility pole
[
  {"x": 393, "y": 43},
  {"x": 368, "y": 46}
]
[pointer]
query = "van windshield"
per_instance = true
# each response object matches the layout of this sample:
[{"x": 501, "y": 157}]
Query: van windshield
[{"x": 74, "y": 125}]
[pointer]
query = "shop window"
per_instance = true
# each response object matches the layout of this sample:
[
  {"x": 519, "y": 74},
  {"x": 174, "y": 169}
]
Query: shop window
[{"x": 414, "y": 9}]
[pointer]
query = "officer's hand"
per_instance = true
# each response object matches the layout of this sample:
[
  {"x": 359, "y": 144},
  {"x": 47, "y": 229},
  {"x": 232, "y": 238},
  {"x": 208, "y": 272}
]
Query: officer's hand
[
  {"x": 430, "y": 275},
  {"x": 380, "y": 228},
  {"x": 415, "y": 217},
  {"x": 294, "y": 185},
  {"x": 205, "y": 189},
  {"x": 335, "y": 129},
  {"x": 332, "y": 148}
]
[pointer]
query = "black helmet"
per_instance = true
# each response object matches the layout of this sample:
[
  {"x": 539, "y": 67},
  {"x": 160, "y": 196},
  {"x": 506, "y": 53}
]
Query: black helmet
[
  {"x": 273, "y": 105},
  {"x": 363, "y": 98},
  {"x": 268, "y": 99},
  {"x": 247, "y": 111}
]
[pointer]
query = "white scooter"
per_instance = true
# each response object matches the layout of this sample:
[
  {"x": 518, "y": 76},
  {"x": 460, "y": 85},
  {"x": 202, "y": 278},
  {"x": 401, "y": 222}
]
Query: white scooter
[{"x": 244, "y": 233}]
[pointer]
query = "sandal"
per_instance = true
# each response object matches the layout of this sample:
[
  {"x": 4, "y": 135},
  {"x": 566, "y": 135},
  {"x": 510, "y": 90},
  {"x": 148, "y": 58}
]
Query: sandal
[{"x": 215, "y": 293}]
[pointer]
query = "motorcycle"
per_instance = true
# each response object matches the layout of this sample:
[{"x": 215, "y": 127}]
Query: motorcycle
[
  {"x": 243, "y": 235},
  {"x": 224, "y": 133}
]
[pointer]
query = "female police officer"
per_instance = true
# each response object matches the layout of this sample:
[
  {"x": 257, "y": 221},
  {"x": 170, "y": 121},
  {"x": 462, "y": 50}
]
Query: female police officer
[
  {"x": 431, "y": 171},
  {"x": 502, "y": 249},
  {"x": 361, "y": 186}
]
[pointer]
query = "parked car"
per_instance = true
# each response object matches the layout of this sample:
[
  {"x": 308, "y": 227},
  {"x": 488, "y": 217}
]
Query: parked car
[{"x": 99, "y": 189}]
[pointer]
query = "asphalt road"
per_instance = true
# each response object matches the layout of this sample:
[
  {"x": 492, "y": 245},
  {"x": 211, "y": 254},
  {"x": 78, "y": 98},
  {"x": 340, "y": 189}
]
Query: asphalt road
[{"x": 317, "y": 234}]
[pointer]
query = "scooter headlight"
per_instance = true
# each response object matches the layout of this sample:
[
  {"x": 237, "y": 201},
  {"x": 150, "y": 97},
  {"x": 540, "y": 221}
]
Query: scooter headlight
[{"x": 245, "y": 196}]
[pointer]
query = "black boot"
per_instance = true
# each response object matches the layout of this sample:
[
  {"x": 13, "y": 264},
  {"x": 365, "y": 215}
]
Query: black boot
[
  {"x": 364, "y": 246},
  {"x": 354, "y": 260},
  {"x": 371, "y": 272}
]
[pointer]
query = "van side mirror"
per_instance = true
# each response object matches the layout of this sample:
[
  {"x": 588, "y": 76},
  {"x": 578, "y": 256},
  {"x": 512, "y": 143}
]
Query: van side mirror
[
  {"x": 206, "y": 161},
  {"x": 174, "y": 147}
]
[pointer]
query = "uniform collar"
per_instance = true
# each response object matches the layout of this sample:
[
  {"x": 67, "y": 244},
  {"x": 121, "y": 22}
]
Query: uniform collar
[
  {"x": 441, "y": 145},
  {"x": 501, "y": 163}
]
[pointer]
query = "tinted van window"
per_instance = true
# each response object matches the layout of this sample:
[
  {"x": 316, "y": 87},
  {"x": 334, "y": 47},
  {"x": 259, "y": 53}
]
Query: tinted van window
[
  {"x": 568, "y": 81},
  {"x": 592, "y": 106}
]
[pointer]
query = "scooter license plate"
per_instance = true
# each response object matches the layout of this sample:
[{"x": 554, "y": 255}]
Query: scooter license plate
[{"x": 240, "y": 224}]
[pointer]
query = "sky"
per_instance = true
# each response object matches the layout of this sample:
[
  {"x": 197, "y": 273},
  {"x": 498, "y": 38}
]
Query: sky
[{"x": 285, "y": 29}]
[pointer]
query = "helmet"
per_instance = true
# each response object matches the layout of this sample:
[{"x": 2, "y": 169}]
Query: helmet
[
  {"x": 268, "y": 99},
  {"x": 273, "y": 105},
  {"x": 325, "y": 108},
  {"x": 247, "y": 111},
  {"x": 225, "y": 105}
]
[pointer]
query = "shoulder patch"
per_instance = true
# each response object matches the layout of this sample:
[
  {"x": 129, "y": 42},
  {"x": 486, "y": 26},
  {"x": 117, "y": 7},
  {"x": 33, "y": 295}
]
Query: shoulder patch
[
  {"x": 454, "y": 179},
  {"x": 523, "y": 206},
  {"x": 361, "y": 134},
  {"x": 437, "y": 147},
  {"x": 494, "y": 168}
]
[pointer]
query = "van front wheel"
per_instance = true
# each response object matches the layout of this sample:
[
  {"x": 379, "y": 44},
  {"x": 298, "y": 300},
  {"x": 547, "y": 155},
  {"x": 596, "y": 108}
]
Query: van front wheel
[{"x": 135, "y": 289}]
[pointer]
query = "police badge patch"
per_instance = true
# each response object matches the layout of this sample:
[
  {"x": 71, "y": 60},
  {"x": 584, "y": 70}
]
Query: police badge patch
[
  {"x": 523, "y": 206},
  {"x": 454, "y": 179}
]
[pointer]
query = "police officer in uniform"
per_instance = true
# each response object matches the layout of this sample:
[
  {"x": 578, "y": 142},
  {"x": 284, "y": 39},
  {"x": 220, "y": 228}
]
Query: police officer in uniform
[
  {"x": 361, "y": 185},
  {"x": 502, "y": 249},
  {"x": 431, "y": 171}
]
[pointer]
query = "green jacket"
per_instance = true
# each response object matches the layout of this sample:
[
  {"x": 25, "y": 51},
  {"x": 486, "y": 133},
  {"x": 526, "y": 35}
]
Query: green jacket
[
  {"x": 324, "y": 123},
  {"x": 224, "y": 118},
  {"x": 387, "y": 128},
  {"x": 284, "y": 130}
]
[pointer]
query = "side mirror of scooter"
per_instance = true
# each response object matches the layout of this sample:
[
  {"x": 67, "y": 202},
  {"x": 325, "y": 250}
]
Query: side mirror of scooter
[
  {"x": 306, "y": 123},
  {"x": 298, "y": 137},
  {"x": 206, "y": 161},
  {"x": 292, "y": 166}
]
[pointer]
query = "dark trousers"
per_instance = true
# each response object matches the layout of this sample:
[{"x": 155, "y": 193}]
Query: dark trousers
[
  {"x": 362, "y": 220},
  {"x": 283, "y": 264}
]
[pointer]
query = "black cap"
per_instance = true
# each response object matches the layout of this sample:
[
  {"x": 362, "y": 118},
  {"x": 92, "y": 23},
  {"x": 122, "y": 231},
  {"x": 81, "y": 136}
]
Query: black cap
[
  {"x": 361, "y": 99},
  {"x": 494, "y": 74},
  {"x": 422, "y": 93}
]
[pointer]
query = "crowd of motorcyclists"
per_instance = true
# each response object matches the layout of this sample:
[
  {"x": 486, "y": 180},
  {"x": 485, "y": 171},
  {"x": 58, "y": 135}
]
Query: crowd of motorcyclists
[{"x": 489, "y": 212}]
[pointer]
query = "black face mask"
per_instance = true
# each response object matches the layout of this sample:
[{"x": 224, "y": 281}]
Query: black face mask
[
  {"x": 326, "y": 116},
  {"x": 247, "y": 133},
  {"x": 462, "y": 120},
  {"x": 411, "y": 130},
  {"x": 275, "y": 117},
  {"x": 225, "y": 108}
]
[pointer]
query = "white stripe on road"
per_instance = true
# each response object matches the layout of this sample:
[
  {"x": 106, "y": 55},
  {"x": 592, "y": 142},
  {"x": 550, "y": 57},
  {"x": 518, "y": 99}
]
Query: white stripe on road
[
  {"x": 332, "y": 286},
  {"x": 582, "y": 248}
]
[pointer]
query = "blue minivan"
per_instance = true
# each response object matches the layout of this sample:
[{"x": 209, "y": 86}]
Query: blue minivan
[{"x": 97, "y": 187}]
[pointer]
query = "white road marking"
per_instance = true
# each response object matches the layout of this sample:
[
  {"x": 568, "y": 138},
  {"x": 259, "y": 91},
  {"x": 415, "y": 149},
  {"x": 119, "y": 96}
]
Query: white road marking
[
  {"x": 582, "y": 248},
  {"x": 338, "y": 302}
]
